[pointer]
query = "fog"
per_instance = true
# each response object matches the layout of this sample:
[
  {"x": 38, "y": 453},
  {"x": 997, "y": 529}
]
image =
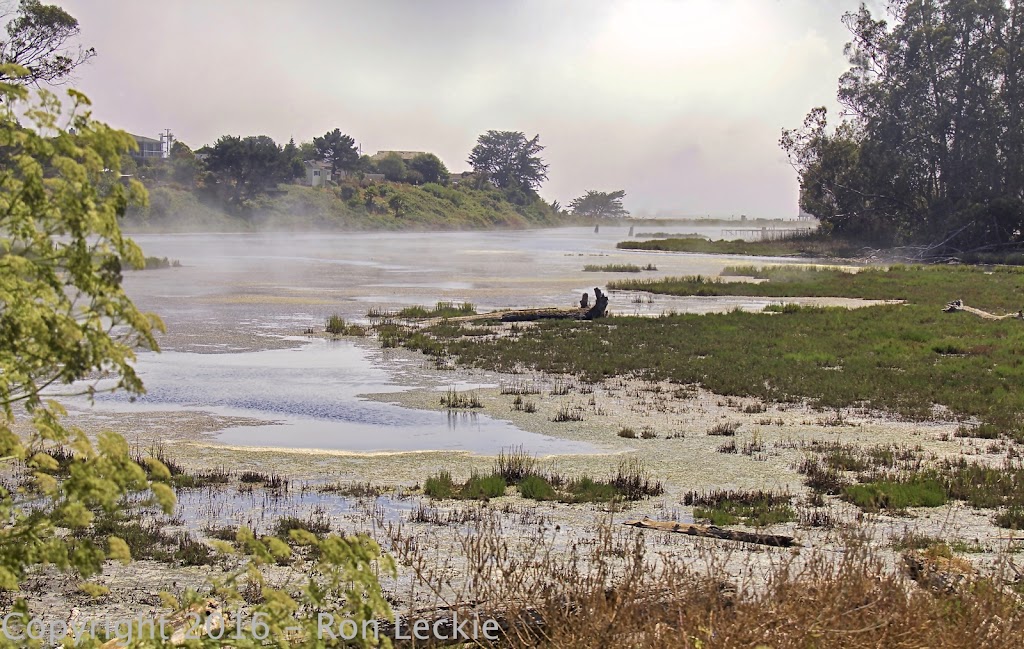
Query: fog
[{"x": 680, "y": 103}]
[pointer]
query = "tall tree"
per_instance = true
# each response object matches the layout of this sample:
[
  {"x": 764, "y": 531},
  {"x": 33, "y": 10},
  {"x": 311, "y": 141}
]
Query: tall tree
[
  {"x": 599, "y": 204},
  {"x": 40, "y": 38},
  {"x": 247, "y": 166},
  {"x": 430, "y": 167},
  {"x": 392, "y": 166},
  {"x": 509, "y": 160},
  {"x": 337, "y": 149},
  {"x": 930, "y": 149}
]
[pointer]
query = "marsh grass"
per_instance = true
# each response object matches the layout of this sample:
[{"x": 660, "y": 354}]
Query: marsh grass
[
  {"x": 813, "y": 245},
  {"x": 890, "y": 365},
  {"x": 455, "y": 400},
  {"x": 534, "y": 487},
  {"x": 522, "y": 405},
  {"x": 613, "y": 268},
  {"x": 440, "y": 310},
  {"x": 753, "y": 508},
  {"x": 336, "y": 326},
  {"x": 725, "y": 429}
]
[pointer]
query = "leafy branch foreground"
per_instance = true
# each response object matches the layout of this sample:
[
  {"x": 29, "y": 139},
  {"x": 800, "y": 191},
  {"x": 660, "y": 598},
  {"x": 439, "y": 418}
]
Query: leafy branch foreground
[{"x": 899, "y": 358}]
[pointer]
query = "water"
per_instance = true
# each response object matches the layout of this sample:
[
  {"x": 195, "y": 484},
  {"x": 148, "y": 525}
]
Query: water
[{"x": 234, "y": 310}]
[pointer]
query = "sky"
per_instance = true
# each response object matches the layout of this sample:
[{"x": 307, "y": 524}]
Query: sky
[{"x": 678, "y": 102}]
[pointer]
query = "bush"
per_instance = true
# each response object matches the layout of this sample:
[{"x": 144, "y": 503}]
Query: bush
[
  {"x": 483, "y": 488},
  {"x": 440, "y": 486},
  {"x": 536, "y": 488}
]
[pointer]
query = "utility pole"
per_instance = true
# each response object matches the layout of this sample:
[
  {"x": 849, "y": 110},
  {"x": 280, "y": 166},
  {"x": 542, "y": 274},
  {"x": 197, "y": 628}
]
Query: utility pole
[{"x": 166, "y": 138}]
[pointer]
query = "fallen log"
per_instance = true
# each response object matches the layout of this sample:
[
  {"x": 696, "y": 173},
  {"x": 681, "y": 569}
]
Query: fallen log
[
  {"x": 957, "y": 306},
  {"x": 714, "y": 532},
  {"x": 553, "y": 313}
]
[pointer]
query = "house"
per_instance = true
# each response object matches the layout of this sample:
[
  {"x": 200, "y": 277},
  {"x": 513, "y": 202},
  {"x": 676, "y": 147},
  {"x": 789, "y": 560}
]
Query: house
[
  {"x": 317, "y": 173},
  {"x": 148, "y": 148},
  {"x": 406, "y": 156}
]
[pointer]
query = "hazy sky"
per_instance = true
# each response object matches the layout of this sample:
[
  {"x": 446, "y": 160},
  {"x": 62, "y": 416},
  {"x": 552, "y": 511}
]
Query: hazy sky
[{"x": 679, "y": 102}]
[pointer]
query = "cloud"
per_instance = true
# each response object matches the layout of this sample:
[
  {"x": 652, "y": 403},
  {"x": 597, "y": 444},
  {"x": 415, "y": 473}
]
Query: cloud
[{"x": 679, "y": 102}]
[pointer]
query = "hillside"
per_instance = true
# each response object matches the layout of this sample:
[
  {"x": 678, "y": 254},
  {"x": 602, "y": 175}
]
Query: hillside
[{"x": 383, "y": 206}]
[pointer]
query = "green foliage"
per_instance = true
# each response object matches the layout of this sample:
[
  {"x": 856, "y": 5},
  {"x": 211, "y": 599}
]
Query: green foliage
[
  {"x": 754, "y": 508},
  {"x": 816, "y": 245},
  {"x": 40, "y": 41},
  {"x": 483, "y": 487},
  {"x": 440, "y": 310},
  {"x": 931, "y": 148},
  {"x": 894, "y": 495},
  {"x": 885, "y": 352},
  {"x": 61, "y": 255},
  {"x": 595, "y": 204},
  {"x": 440, "y": 486},
  {"x": 509, "y": 161},
  {"x": 337, "y": 149},
  {"x": 393, "y": 167},
  {"x": 535, "y": 487},
  {"x": 247, "y": 167},
  {"x": 430, "y": 168}
]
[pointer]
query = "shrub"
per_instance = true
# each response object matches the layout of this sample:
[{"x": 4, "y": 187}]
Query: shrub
[
  {"x": 439, "y": 487},
  {"x": 483, "y": 487},
  {"x": 536, "y": 488}
]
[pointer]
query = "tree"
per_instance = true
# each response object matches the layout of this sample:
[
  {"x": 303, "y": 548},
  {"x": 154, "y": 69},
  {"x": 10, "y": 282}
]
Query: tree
[
  {"x": 599, "y": 204},
  {"x": 398, "y": 205},
  {"x": 40, "y": 38},
  {"x": 64, "y": 317},
  {"x": 430, "y": 167},
  {"x": 247, "y": 166},
  {"x": 337, "y": 149},
  {"x": 393, "y": 167},
  {"x": 931, "y": 147},
  {"x": 293, "y": 159},
  {"x": 509, "y": 160}
]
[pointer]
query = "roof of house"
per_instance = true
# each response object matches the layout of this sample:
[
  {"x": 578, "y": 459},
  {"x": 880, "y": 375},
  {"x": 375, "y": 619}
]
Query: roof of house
[
  {"x": 143, "y": 138},
  {"x": 316, "y": 164}
]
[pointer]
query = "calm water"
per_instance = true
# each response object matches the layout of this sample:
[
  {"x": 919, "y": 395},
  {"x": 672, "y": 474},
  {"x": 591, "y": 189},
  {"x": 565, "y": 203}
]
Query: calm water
[{"x": 238, "y": 296}]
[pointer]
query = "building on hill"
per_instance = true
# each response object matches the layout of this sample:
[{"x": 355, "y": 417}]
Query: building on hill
[
  {"x": 317, "y": 173},
  {"x": 149, "y": 148},
  {"x": 406, "y": 156}
]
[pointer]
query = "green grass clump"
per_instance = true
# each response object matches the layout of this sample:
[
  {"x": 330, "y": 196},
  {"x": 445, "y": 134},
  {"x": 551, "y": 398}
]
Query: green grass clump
[
  {"x": 612, "y": 268},
  {"x": 483, "y": 487},
  {"x": 536, "y": 488},
  {"x": 336, "y": 326},
  {"x": 439, "y": 487},
  {"x": 458, "y": 400},
  {"x": 587, "y": 490},
  {"x": 896, "y": 496},
  {"x": 753, "y": 508},
  {"x": 315, "y": 525},
  {"x": 440, "y": 310}
]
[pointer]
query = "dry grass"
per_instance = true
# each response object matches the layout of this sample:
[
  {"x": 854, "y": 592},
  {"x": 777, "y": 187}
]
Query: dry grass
[{"x": 608, "y": 592}]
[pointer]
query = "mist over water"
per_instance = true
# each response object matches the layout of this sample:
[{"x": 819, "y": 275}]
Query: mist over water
[{"x": 236, "y": 308}]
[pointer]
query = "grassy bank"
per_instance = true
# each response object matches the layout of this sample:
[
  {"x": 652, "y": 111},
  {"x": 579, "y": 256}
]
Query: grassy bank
[
  {"x": 812, "y": 246},
  {"x": 385, "y": 206},
  {"x": 904, "y": 359}
]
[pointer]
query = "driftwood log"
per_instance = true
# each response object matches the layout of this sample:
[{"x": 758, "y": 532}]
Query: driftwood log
[
  {"x": 714, "y": 532},
  {"x": 598, "y": 310},
  {"x": 957, "y": 306}
]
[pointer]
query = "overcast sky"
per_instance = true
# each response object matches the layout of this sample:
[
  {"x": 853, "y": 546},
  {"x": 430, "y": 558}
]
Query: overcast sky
[{"x": 678, "y": 102}]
